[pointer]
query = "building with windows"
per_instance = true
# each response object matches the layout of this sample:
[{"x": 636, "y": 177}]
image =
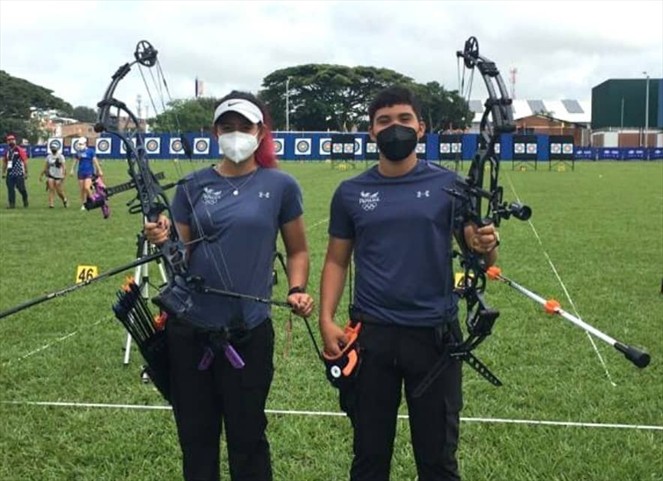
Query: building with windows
[{"x": 550, "y": 117}]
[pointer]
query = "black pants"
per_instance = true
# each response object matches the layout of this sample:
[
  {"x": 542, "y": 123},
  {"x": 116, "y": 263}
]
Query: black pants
[
  {"x": 16, "y": 182},
  {"x": 206, "y": 401},
  {"x": 391, "y": 356}
]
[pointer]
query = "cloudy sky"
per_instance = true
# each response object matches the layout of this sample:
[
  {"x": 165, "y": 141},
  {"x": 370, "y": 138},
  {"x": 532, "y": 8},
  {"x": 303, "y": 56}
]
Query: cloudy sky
[{"x": 560, "y": 49}]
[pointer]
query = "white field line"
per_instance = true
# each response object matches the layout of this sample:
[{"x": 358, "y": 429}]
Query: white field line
[
  {"x": 529, "y": 422},
  {"x": 316, "y": 224},
  {"x": 566, "y": 292},
  {"x": 51, "y": 344}
]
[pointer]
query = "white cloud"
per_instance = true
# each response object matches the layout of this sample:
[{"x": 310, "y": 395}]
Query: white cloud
[{"x": 561, "y": 49}]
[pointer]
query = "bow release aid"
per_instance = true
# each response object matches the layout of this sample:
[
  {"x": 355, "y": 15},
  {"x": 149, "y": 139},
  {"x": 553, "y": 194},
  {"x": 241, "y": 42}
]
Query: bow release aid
[{"x": 342, "y": 367}]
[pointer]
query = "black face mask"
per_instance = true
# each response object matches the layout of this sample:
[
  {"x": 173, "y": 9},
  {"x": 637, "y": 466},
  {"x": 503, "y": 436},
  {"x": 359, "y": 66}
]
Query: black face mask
[{"x": 397, "y": 142}]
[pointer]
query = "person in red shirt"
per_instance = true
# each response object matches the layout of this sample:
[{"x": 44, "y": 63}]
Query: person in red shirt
[{"x": 15, "y": 169}]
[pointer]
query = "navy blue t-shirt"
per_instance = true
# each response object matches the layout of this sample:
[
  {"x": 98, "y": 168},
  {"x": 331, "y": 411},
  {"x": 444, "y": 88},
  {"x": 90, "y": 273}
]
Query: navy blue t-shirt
[
  {"x": 243, "y": 229},
  {"x": 401, "y": 228}
]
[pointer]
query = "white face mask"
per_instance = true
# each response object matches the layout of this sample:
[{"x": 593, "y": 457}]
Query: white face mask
[{"x": 238, "y": 146}]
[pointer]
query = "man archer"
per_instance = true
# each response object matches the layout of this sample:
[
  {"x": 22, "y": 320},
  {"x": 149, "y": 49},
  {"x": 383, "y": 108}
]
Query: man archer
[{"x": 15, "y": 170}]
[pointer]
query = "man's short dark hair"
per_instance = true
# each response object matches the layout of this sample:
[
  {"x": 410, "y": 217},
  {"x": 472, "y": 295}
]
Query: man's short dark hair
[{"x": 394, "y": 96}]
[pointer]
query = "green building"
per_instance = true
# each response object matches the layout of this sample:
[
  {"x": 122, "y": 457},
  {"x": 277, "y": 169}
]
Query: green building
[{"x": 621, "y": 104}]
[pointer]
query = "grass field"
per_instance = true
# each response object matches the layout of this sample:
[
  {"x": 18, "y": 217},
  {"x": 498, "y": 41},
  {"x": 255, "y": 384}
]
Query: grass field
[{"x": 70, "y": 409}]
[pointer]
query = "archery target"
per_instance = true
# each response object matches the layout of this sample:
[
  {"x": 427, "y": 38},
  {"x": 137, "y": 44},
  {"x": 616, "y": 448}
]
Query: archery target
[
  {"x": 531, "y": 148},
  {"x": 279, "y": 146},
  {"x": 303, "y": 146},
  {"x": 555, "y": 148},
  {"x": 123, "y": 147},
  {"x": 325, "y": 146},
  {"x": 153, "y": 145},
  {"x": 519, "y": 148},
  {"x": 349, "y": 148},
  {"x": 78, "y": 143},
  {"x": 445, "y": 148},
  {"x": 421, "y": 148},
  {"x": 359, "y": 144},
  {"x": 337, "y": 148},
  {"x": 55, "y": 141},
  {"x": 103, "y": 145},
  {"x": 175, "y": 146},
  {"x": 497, "y": 148},
  {"x": 371, "y": 148},
  {"x": 201, "y": 146},
  {"x": 567, "y": 149},
  {"x": 455, "y": 147}
]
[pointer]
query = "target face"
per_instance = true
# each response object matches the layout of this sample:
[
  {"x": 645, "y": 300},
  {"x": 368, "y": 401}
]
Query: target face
[
  {"x": 103, "y": 146},
  {"x": 176, "y": 146},
  {"x": 278, "y": 146},
  {"x": 303, "y": 146},
  {"x": 55, "y": 143},
  {"x": 201, "y": 146},
  {"x": 152, "y": 146}
]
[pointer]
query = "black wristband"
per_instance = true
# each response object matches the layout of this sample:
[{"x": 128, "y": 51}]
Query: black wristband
[{"x": 296, "y": 290}]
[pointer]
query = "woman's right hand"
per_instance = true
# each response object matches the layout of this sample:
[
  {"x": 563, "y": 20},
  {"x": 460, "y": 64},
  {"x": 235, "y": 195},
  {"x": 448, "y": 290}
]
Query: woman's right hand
[{"x": 157, "y": 232}]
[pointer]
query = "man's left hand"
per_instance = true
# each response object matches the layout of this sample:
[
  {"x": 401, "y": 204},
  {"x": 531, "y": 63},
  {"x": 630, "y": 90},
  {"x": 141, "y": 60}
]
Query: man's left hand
[{"x": 481, "y": 239}]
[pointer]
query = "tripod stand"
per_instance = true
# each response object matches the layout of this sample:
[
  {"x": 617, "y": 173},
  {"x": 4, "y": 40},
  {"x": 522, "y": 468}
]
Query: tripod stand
[{"x": 142, "y": 279}]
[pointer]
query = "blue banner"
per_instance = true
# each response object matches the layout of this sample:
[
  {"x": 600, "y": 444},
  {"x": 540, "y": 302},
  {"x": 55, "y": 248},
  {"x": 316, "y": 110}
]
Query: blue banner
[{"x": 317, "y": 146}]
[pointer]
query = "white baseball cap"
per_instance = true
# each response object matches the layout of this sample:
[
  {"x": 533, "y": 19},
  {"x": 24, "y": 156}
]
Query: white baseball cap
[{"x": 243, "y": 107}]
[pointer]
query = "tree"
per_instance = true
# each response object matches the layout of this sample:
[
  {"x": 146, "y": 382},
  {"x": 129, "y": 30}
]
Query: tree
[
  {"x": 325, "y": 97},
  {"x": 336, "y": 97},
  {"x": 186, "y": 115},
  {"x": 18, "y": 97},
  {"x": 84, "y": 114},
  {"x": 443, "y": 109}
]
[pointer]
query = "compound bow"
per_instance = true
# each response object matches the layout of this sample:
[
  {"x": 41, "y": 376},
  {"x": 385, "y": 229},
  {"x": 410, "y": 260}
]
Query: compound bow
[{"x": 497, "y": 119}]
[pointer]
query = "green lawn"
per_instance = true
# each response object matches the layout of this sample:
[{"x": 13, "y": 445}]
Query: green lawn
[{"x": 601, "y": 226}]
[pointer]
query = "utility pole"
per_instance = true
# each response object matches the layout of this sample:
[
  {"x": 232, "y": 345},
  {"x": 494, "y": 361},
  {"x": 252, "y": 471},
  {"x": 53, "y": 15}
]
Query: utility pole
[
  {"x": 646, "y": 109},
  {"x": 139, "y": 110},
  {"x": 512, "y": 80},
  {"x": 287, "y": 104}
]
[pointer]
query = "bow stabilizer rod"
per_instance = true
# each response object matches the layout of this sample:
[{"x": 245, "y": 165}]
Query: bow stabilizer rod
[
  {"x": 551, "y": 306},
  {"x": 74, "y": 287}
]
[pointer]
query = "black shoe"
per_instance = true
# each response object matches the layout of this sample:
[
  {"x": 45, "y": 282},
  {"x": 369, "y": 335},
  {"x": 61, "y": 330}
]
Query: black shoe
[
  {"x": 26, "y": 204},
  {"x": 11, "y": 206}
]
